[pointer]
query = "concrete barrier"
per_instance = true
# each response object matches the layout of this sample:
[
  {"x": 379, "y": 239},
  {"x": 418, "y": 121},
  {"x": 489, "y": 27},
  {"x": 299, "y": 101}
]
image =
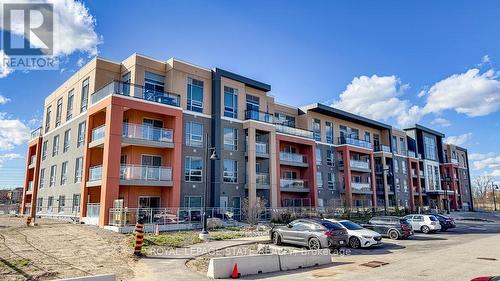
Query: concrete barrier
[
  {"x": 102, "y": 277},
  {"x": 247, "y": 265},
  {"x": 304, "y": 259}
]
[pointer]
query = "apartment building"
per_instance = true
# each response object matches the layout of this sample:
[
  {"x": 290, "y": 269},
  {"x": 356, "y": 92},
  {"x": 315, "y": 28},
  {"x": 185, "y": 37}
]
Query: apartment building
[{"x": 141, "y": 133}]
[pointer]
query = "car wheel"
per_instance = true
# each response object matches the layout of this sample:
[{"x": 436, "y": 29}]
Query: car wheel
[
  {"x": 354, "y": 242},
  {"x": 425, "y": 229},
  {"x": 314, "y": 244},
  {"x": 393, "y": 234},
  {"x": 276, "y": 238}
]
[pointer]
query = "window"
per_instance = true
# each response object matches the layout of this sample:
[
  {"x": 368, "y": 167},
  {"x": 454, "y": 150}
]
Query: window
[
  {"x": 368, "y": 137},
  {"x": 78, "y": 169},
  {"x": 318, "y": 156},
  {"x": 319, "y": 179},
  {"x": 44, "y": 149},
  {"x": 69, "y": 109},
  {"x": 398, "y": 185},
  {"x": 331, "y": 180},
  {"x": 396, "y": 166},
  {"x": 395, "y": 144},
  {"x": 67, "y": 140},
  {"x": 42, "y": 177},
  {"x": 151, "y": 160},
  {"x": 230, "y": 139},
  {"x": 64, "y": 173},
  {"x": 126, "y": 84},
  {"x": 253, "y": 103},
  {"x": 284, "y": 119},
  {"x": 230, "y": 102},
  {"x": 81, "y": 134},
  {"x": 194, "y": 134},
  {"x": 153, "y": 84},
  {"x": 53, "y": 175},
  {"x": 317, "y": 129},
  {"x": 230, "y": 171},
  {"x": 76, "y": 204},
  {"x": 192, "y": 201},
  {"x": 59, "y": 112},
  {"x": 55, "y": 146},
  {"x": 329, "y": 132},
  {"x": 39, "y": 204},
  {"x": 50, "y": 202},
  {"x": 403, "y": 167},
  {"x": 85, "y": 95},
  {"x": 405, "y": 185},
  {"x": 47, "y": 118},
  {"x": 62, "y": 204},
  {"x": 195, "y": 95},
  {"x": 402, "y": 146},
  {"x": 329, "y": 158},
  {"x": 193, "y": 169},
  {"x": 430, "y": 148}
]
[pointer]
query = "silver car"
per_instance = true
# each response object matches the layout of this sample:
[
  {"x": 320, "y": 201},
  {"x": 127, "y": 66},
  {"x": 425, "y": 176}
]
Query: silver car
[
  {"x": 313, "y": 233},
  {"x": 424, "y": 223}
]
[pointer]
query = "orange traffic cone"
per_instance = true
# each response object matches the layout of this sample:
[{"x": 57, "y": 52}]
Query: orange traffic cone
[{"x": 235, "y": 274}]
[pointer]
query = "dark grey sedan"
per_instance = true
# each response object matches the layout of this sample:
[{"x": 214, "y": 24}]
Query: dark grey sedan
[{"x": 313, "y": 233}]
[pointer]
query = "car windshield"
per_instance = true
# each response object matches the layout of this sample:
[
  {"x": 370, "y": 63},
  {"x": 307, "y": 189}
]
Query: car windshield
[
  {"x": 351, "y": 225},
  {"x": 433, "y": 218},
  {"x": 331, "y": 225},
  {"x": 403, "y": 221}
]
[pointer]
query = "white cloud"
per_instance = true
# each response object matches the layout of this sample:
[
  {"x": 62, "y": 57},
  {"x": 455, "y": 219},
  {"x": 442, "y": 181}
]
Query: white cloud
[
  {"x": 458, "y": 140},
  {"x": 485, "y": 60},
  {"x": 12, "y": 132},
  {"x": 80, "y": 62},
  {"x": 7, "y": 157},
  {"x": 442, "y": 122},
  {"x": 74, "y": 30},
  {"x": 485, "y": 161},
  {"x": 4, "y": 100},
  {"x": 4, "y": 69}
]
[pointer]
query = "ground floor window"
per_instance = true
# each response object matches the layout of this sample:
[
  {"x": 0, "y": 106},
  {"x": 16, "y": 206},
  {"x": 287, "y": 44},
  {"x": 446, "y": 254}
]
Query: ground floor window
[
  {"x": 149, "y": 202},
  {"x": 76, "y": 204},
  {"x": 62, "y": 204},
  {"x": 192, "y": 201}
]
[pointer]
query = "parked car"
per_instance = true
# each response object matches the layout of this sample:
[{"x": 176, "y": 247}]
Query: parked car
[
  {"x": 445, "y": 222},
  {"x": 359, "y": 237},
  {"x": 313, "y": 233},
  {"x": 487, "y": 278},
  {"x": 424, "y": 223},
  {"x": 390, "y": 226}
]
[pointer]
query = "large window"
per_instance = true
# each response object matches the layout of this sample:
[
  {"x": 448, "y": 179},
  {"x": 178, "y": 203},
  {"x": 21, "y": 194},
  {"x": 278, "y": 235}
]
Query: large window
[
  {"x": 44, "y": 149},
  {"x": 67, "y": 140},
  {"x": 53, "y": 175},
  {"x": 319, "y": 179},
  {"x": 230, "y": 102},
  {"x": 368, "y": 137},
  {"x": 81, "y": 134},
  {"x": 69, "y": 108},
  {"x": 151, "y": 160},
  {"x": 78, "y": 169},
  {"x": 430, "y": 148},
  {"x": 195, "y": 95},
  {"x": 317, "y": 129},
  {"x": 394, "y": 144},
  {"x": 329, "y": 158},
  {"x": 48, "y": 114},
  {"x": 396, "y": 166},
  {"x": 253, "y": 103},
  {"x": 50, "y": 204},
  {"x": 39, "y": 204},
  {"x": 194, "y": 134},
  {"x": 230, "y": 171},
  {"x": 153, "y": 84},
  {"x": 76, "y": 204},
  {"x": 55, "y": 145},
  {"x": 85, "y": 95},
  {"x": 318, "y": 156},
  {"x": 230, "y": 139},
  {"x": 193, "y": 169},
  {"x": 402, "y": 146},
  {"x": 403, "y": 167},
  {"x": 283, "y": 119},
  {"x": 64, "y": 173},
  {"x": 42, "y": 178},
  {"x": 59, "y": 112},
  {"x": 62, "y": 204},
  {"x": 126, "y": 79},
  {"x": 192, "y": 201},
  {"x": 329, "y": 132},
  {"x": 331, "y": 180}
]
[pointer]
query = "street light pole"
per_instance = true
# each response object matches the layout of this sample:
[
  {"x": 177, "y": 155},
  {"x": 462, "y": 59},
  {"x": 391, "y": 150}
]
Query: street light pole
[
  {"x": 204, "y": 232},
  {"x": 494, "y": 197},
  {"x": 447, "y": 185}
]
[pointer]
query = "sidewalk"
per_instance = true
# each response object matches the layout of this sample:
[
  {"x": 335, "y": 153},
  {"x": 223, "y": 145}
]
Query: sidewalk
[{"x": 486, "y": 216}]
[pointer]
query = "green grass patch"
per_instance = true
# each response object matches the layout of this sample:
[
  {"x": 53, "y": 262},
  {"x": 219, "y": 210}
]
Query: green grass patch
[
  {"x": 226, "y": 235},
  {"x": 21, "y": 262}
]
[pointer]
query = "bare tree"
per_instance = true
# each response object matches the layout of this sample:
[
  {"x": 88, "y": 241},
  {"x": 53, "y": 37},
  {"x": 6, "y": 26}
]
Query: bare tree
[
  {"x": 482, "y": 186},
  {"x": 253, "y": 212}
]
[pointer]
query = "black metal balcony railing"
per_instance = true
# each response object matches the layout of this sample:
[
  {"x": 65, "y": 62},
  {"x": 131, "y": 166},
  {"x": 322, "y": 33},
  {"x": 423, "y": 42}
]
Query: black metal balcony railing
[
  {"x": 355, "y": 142},
  {"x": 259, "y": 116},
  {"x": 135, "y": 91}
]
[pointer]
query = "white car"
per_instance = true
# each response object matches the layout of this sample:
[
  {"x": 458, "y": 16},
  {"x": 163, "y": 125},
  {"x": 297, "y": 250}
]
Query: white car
[
  {"x": 424, "y": 223},
  {"x": 359, "y": 237}
]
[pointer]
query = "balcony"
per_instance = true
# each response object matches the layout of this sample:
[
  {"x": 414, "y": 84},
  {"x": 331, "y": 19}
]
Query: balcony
[
  {"x": 294, "y": 185},
  {"x": 32, "y": 163},
  {"x": 97, "y": 137},
  {"x": 412, "y": 154},
  {"x": 359, "y": 165},
  {"x": 261, "y": 181},
  {"x": 146, "y": 175},
  {"x": 149, "y": 136},
  {"x": 355, "y": 142},
  {"x": 293, "y": 159},
  {"x": 259, "y": 116},
  {"x": 294, "y": 131},
  {"x": 36, "y": 133},
  {"x": 413, "y": 173},
  {"x": 95, "y": 176},
  {"x": 421, "y": 173},
  {"x": 135, "y": 91},
  {"x": 262, "y": 149},
  {"x": 29, "y": 190},
  {"x": 361, "y": 187},
  {"x": 382, "y": 148}
]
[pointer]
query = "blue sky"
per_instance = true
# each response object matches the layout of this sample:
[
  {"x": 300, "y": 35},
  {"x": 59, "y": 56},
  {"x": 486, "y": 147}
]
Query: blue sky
[{"x": 426, "y": 61}]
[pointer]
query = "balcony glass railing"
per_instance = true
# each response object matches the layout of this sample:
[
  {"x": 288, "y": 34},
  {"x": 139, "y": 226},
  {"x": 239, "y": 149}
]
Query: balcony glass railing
[
  {"x": 359, "y": 164},
  {"x": 259, "y": 116},
  {"x": 355, "y": 142},
  {"x": 137, "y": 131},
  {"x": 135, "y": 91},
  {"x": 294, "y": 131},
  {"x": 261, "y": 148},
  {"x": 36, "y": 133},
  {"x": 32, "y": 160},
  {"x": 145, "y": 173},
  {"x": 293, "y": 183},
  {"x": 293, "y": 157},
  {"x": 361, "y": 186},
  {"x": 98, "y": 133},
  {"x": 382, "y": 147},
  {"x": 30, "y": 186},
  {"x": 262, "y": 179},
  {"x": 412, "y": 153},
  {"x": 93, "y": 210},
  {"x": 95, "y": 173}
]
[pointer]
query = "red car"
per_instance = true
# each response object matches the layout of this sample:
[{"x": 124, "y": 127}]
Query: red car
[{"x": 487, "y": 278}]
